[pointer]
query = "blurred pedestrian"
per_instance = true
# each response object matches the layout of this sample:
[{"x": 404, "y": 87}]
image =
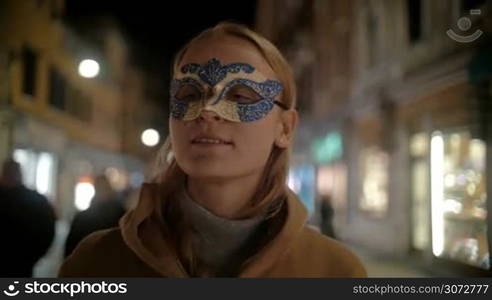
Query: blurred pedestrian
[
  {"x": 104, "y": 212},
  {"x": 27, "y": 224},
  {"x": 327, "y": 214},
  {"x": 220, "y": 206}
]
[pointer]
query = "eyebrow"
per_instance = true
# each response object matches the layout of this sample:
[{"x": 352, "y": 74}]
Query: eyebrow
[{"x": 213, "y": 72}]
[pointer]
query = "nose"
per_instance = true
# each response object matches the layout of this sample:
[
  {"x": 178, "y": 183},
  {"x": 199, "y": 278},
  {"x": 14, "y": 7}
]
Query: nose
[{"x": 208, "y": 115}]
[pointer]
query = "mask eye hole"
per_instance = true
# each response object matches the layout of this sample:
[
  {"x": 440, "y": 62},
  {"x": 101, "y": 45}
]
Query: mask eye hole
[
  {"x": 189, "y": 93},
  {"x": 242, "y": 94}
]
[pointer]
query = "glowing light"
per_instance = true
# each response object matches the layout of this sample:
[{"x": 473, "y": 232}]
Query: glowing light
[
  {"x": 374, "y": 196},
  {"x": 150, "y": 137},
  {"x": 88, "y": 68},
  {"x": 437, "y": 193},
  {"x": 328, "y": 148},
  {"x": 450, "y": 180},
  {"x": 453, "y": 206},
  {"x": 471, "y": 188},
  {"x": 293, "y": 183},
  {"x": 419, "y": 144},
  {"x": 84, "y": 192},
  {"x": 44, "y": 173},
  {"x": 117, "y": 178}
]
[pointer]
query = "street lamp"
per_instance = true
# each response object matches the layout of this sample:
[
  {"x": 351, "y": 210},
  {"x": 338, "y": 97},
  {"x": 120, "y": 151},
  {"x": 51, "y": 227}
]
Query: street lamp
[
  {"x": 150, "y": 137},
  {"x": 88, "y": 68}
]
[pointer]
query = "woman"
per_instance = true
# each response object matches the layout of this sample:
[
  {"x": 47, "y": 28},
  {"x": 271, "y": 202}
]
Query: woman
[{"x": 219, "y": 206}]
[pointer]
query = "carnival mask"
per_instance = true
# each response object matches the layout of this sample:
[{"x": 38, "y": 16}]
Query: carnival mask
[{"x": 236, "y": 92}]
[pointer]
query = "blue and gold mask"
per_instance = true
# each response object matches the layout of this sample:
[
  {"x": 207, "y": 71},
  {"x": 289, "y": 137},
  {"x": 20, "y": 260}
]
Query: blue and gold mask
[{"x": 236, "y": 92}]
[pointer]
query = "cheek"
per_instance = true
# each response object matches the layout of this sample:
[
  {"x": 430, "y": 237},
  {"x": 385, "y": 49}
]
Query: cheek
[
  {"x": 178, "y": 134},
  {"x": 256, "y": 141}
]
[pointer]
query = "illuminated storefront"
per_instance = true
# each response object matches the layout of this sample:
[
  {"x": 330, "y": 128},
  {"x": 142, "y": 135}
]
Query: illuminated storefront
[
  {"x": 39, "y": 170},
  {"x": 448, "y": 190},
  {"x": 458, "y": 219},
  {"x": 374, "y": 176}
]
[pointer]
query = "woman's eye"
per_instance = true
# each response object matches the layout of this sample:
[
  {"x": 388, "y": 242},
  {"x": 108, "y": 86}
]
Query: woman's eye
[
  {"x": 242, "y": 98},
  {"x": 189, "y": 93},
  {"x": 243, "y": 95}
]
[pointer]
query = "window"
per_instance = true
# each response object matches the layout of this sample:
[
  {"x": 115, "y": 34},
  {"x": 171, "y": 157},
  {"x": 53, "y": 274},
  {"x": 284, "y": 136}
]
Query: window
[
  {"x": 66, "y": 98},
  {"x": 29, "y": 58},
  {"x": 414, "y": 20},
  {"x": 374, "y": 165},
  {"x": 57, "y": 97}
]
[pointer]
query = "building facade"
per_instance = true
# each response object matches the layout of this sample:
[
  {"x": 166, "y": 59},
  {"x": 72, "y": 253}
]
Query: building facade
[
  {"x": 62, "y": 127},
  {"x": 395, "y": 111}
]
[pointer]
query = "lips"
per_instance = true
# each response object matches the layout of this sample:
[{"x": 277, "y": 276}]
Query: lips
[{"x": 210, "y": 140}]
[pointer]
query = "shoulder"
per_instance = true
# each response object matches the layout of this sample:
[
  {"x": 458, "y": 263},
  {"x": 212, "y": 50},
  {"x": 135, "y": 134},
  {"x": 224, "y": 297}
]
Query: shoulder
[
  {"x": 34, "y": 204},
  {"x": 90, "y": 251},
  {"x": 326, "y": 257},
  {"x": 101, "y": 255},
  {"x": 33, "y": 194},
  {"x": 32, "y": 197},
  {"x": 108, "y": 239}
]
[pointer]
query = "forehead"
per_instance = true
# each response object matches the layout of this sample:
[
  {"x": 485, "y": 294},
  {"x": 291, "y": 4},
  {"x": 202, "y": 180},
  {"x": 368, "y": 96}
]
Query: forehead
[{"x": 228, "y": 49}]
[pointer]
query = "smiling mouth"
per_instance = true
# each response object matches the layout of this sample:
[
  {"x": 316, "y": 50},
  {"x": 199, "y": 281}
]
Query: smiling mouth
[{"x": 210, "y": 141}]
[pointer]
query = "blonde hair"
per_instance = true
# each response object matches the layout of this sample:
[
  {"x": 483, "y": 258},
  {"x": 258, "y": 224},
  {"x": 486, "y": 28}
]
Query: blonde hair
[{"x": 271, "y": 193}]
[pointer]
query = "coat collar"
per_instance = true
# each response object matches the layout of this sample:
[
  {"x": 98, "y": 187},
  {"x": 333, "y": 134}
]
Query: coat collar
[{"x": 144, "y": 234}]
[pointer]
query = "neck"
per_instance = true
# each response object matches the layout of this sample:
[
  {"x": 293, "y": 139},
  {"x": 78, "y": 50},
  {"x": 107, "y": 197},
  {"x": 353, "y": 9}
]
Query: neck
[{"x": 224, "y": 198}]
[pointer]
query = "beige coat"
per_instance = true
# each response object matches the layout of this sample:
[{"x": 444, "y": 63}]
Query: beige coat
[{"x": 138, "y": 249}]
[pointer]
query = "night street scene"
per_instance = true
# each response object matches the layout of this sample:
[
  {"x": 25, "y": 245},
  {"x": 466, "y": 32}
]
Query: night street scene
[{"x": 256, "y": 138}]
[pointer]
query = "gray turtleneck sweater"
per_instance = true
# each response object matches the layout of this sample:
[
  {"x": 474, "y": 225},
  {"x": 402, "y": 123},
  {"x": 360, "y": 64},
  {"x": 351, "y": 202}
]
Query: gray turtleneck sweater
[{"x": 220, "y": 244}]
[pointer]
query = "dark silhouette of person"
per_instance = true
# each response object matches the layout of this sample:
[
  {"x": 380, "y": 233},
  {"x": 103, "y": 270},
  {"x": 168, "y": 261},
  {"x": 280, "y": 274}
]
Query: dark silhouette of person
[
  {"x": 27, "y": 224},
  {"x": 327, "y": 213},
  {"x": 105, "y": 211}
]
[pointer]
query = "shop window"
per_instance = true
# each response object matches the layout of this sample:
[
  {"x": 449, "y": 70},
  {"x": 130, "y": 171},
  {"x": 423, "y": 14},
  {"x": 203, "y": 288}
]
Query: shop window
[
  {"x": 374, "y": 175},
  {"x": 420, "y": 205},
  {"x": 458, "y": 187},
  {"x": 420, "y": 195},
  {"x": 38, "y": 170},
  {"x": 27, "y": 160}
]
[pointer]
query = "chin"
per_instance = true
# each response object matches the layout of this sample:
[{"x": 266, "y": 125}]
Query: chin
[{"x": 208, "y": 170}]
